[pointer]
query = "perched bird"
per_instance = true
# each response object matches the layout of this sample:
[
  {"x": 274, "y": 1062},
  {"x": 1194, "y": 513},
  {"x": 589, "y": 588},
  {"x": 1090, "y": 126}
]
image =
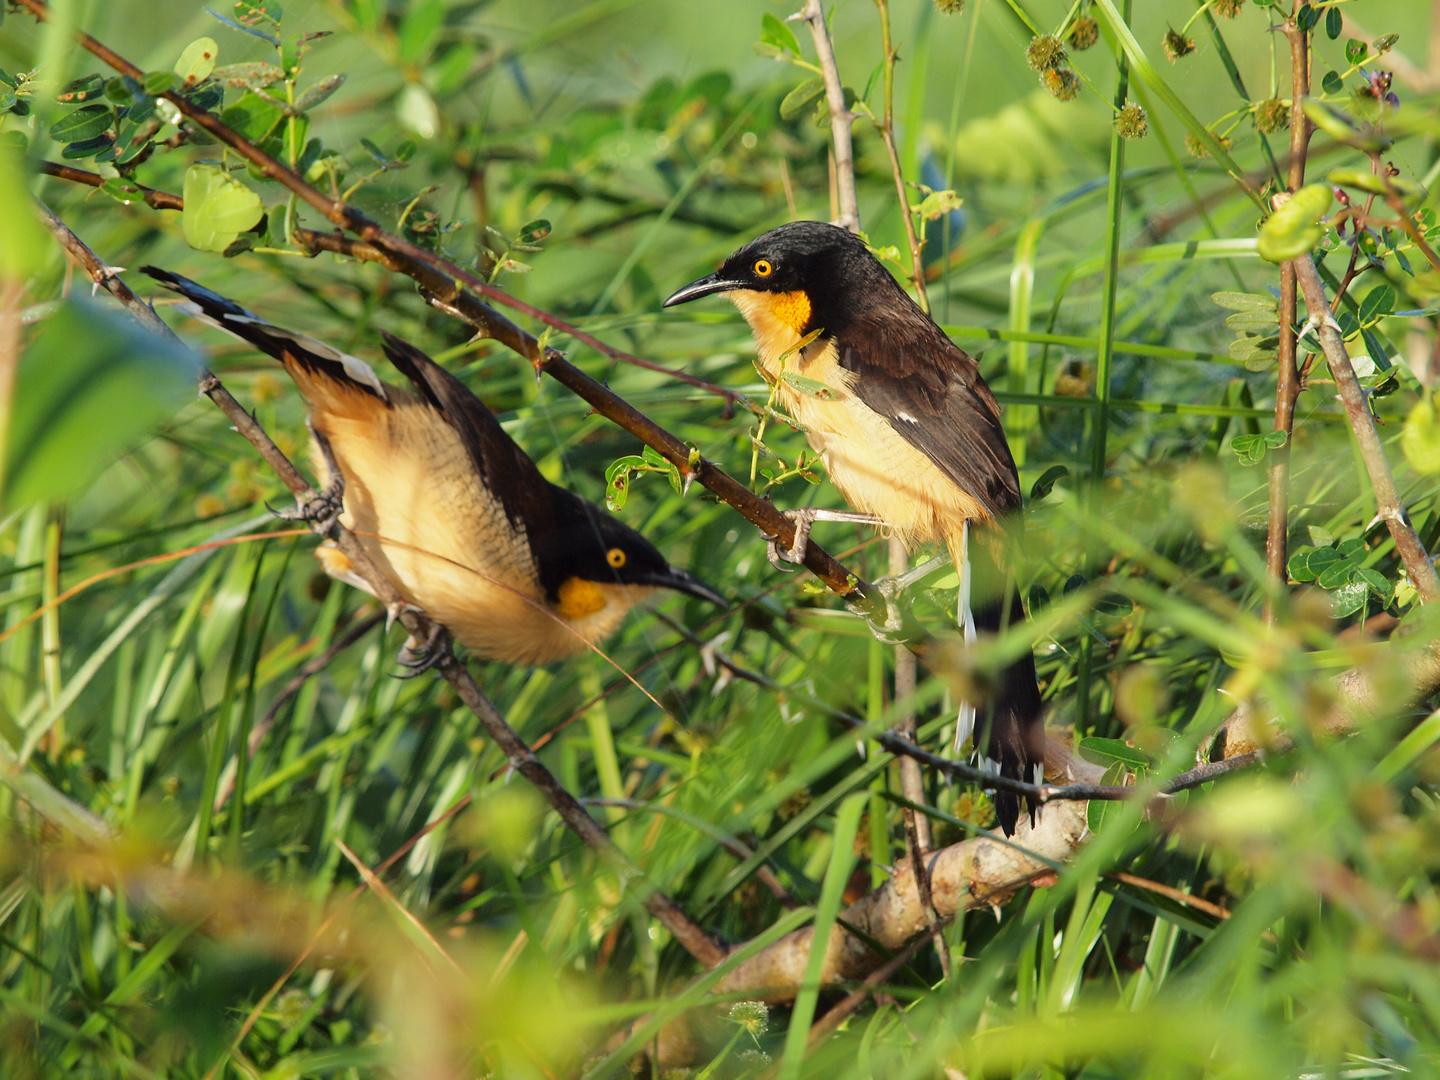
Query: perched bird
[
  {"x": 449, "y": 507},
  {"x": 909, "y": 433}
]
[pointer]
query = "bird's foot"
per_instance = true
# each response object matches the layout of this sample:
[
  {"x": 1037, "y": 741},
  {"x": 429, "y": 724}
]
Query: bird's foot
[
  {"x": 322, "y": 509},
  {"x": 419, "y": 657},
  {"x": 804, "y": 520}
]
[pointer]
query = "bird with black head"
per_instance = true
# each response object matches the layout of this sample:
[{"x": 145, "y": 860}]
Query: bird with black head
[
  {"x": 448, "y": 506},
  {"x": 909, "y": 433}
]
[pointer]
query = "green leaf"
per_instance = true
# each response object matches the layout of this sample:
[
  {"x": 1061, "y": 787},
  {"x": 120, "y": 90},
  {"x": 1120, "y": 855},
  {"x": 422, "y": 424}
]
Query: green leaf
[
  {"x": 84, "y": 123},
  {"x": 1378, "y": 302},
  {"x": 89, "y": 148},
  {"x": 1292, "y": 230},
  {"x": 1420, "y": 440},
  {"x": 1336, "y": 574},
  {"x": 1046, "y": 482},
  {"x": 1115, "y": 604},
  {"x": 1355, "y": 51},
  {"x": 532, "y": 232},
  {"x": 1332, "y": 83},
  {"x": 800, "y": 99},
  {"x": 90, "y": 386},
  {"x": 937, "y": 204},
  {"x": 253, "y": 116},
  {"x": 1039, "y": 599},
  {"x": 197, "y": 62},
  {"x": 318, "y": 92},
  {"x": 1378, "y": 583},
  {"x": 82, "y": 89},
  {"x": 218, "y": 208},
  {"x": 253, "y": 75},
  {"x": 776, "y": 33},
  {"x": 1255, "y": 322},
  {"x": 808, "y": 386},
  {"x": 1348, "y": 599},
  {"x": 1298, "y": 567},
  {"x": 1100, "y": 811},
  {"x": 254, "y": 12},
  {"x": 1239, "y": 301},
  {"x": 1106, "y": 752},
  {"x": 1321, "y": 559},
  {"x": 1261, "y": 360},
  {"x": 1334, "y": 23},
  {"x": 617, "y": 480},
  {"x": 1250, "y": 449},
  {"x": 1307, "y": 17}
]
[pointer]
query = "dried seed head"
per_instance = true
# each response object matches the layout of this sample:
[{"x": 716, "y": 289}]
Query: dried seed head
[
  {"x": 1271, "y": 116},
  {"x": 1062, "y": 82},
  {"x": 1131, "y": 121},
  {"x": 950, "y": 7},
  {"x": 1226, "y": 9},
  {"x": 1084, "y": 32},
  {"x": 1178, "y": 45},
  {"x": 1045, "y": 52}
]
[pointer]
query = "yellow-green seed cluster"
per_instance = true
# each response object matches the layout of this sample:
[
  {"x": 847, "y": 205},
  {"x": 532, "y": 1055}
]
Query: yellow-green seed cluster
[
  {"x": 1271, "y": 116},
  {"x": 1178, "y": 45},
  {"x": 1084, "y": 32},
  {"x": 1046, "y": 52},
  {"x": 1062, "y": 82},
  {"x": 1131, "y": 121}
]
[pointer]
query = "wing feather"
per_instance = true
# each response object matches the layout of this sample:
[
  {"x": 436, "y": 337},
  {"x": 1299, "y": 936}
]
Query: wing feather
[
  {"x": 931, "y": 392},
  {"x": 505, "y": 469}
]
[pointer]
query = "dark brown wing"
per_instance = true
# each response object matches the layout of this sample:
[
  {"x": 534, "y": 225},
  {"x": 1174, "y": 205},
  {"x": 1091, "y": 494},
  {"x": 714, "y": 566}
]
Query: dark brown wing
[
  {"x": 931, "y": 392},
  {"x": 505, "y": 469}
]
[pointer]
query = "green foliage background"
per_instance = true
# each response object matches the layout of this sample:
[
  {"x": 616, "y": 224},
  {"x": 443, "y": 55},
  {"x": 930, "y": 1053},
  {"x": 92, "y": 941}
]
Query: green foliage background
[{"x": 649, "y": 136}]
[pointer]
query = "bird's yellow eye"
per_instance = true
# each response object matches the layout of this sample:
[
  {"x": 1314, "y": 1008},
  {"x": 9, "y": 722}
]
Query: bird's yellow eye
[
  {"x": 615, "y": 557},
  {"x": 763, "y": 268}
]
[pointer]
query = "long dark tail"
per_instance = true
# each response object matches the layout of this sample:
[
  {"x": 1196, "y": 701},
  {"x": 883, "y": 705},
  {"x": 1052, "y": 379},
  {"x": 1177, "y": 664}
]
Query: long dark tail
[{"x": 1009, "y": 729}]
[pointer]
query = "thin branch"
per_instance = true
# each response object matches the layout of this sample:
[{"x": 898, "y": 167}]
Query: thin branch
[
  {"x": 840, "y": 116},
  {"x": 1288, "y": 379},
  {"x": 420, "y": 627},
  {"x": 316, "y": 242},
  {"x": 1362, "y": 421},
  {"x": 887, "y": 133}
]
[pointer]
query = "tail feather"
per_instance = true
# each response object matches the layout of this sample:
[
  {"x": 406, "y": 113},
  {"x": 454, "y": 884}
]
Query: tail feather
[
  {"x": 1009, "y": 729},
  {"x": 289, "y": 347}
]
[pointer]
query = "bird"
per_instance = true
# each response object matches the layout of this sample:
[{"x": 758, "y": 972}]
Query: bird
[
  {"x": 449, "y": 507},
  {"x": 908, "y": 432}
]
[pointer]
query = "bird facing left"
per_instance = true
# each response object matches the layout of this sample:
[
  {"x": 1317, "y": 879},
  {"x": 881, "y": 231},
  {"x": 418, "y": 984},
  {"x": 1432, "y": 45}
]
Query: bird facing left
[{"x": 448, "y": 506}]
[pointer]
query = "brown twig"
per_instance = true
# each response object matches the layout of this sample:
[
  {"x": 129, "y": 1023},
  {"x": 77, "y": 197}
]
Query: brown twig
[
  {"x": 1362, "y": 422},
  {"x": 840, "y": 116},
  {"x": 843, "y": 1009},
  {"x": 421, "y": 628},
  {"x": 1288, "y": 380}
]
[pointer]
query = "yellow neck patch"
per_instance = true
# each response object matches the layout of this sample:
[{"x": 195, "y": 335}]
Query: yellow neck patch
[
  {"x": 579, "y": 598},
  {"x": 791, "y": 308}
]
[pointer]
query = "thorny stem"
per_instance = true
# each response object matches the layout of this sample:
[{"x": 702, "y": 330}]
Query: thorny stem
[
  {"x": 1288, "y": 381},
  {"x": 517, "y": 753},
  {"x": 887, "y": 132},
  {"x": 1362, "y": 422},
  {"x": 840, "y": 116}
]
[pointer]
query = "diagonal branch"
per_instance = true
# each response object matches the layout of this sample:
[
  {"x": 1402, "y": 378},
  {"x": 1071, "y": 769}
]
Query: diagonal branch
[
  {"x": 1362, "y": 421},
  {"x": 841, "y": 117},
  {"x": 447, "y": 283},
  {"x": 517, "y": 753}
]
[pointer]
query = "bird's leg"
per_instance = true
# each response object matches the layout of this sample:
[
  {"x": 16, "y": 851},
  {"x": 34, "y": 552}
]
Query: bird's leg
[
  {"x": 419, "y": 657},
  {"x": 322, "y": 509},
  {"x": 804, "y": 519},
  {"x": 965, "y": 618}
]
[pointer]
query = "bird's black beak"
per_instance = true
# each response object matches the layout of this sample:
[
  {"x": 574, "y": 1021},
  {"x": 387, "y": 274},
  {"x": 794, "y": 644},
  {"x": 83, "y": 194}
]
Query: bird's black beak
[
  {"x": 708, "y": 285},
  {"x": 674, "y": 578}
]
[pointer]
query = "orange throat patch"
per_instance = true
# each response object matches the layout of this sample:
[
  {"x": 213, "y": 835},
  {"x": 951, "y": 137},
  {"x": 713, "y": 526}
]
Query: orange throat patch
[
  {"x": 579, "y": 598},
  {"x": 791, "y": 308}
]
